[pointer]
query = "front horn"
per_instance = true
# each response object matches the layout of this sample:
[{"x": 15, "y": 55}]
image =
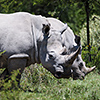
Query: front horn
[
  {"x": 88, "y": 70},
  {"x": 69, "y": 59}
]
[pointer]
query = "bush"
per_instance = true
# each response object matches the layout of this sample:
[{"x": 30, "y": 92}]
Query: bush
[
  {"x": 95, "y": 57},
  {"x": 94, "y": 27},
  {"x": 35, "y": 76},
  {"x": 46, "y": 87}
]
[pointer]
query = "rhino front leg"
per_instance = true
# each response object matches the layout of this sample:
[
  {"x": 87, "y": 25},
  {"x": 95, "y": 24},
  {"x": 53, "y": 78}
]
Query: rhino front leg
[{"x": 17, "y": 62}]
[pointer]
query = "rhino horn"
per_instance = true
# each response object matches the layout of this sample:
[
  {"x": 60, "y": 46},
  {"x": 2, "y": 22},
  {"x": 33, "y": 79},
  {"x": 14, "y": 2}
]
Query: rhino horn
[
  {"x": 88, "y": 70},
  {"x": 70, "y": 58}
]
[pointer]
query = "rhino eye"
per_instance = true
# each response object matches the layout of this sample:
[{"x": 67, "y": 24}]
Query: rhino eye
[{"x": 80, "y": 65}]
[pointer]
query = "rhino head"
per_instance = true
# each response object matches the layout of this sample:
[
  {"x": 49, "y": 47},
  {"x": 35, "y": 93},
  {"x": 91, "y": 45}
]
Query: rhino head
[
  {"x": 78, "y": 69},
  {"x": 52, "y": 52}
]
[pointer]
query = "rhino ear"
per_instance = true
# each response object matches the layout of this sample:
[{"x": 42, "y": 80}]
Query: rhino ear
[
  {"x": 63, "y": 28},
  {"x": 46, "y": 29},
  {"x": 77, "y": 39}
]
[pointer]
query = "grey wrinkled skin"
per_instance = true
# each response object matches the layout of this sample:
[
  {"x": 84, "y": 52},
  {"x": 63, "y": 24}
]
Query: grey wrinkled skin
[
  {"x": 51, "y": 54},
  {"x": 30, "y": 39},
  {"x": 77, "y": 70}
]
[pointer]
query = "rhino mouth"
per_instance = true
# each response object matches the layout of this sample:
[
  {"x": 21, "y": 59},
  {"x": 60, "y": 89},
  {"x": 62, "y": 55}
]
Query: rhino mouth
[
  {"x": 76, "y": 77},
  {"x": 58, "y": 74}
]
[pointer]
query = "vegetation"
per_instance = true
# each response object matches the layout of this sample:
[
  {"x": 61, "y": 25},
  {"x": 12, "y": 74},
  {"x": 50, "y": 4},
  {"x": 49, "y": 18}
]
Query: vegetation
[
  {"x": 94, "y": 42},
  {"x": 46, "y": 87},
  {"x": 94, "y": 32},
  {"x": 40, "y": 81},
  {"x": 70, "y": 11}
]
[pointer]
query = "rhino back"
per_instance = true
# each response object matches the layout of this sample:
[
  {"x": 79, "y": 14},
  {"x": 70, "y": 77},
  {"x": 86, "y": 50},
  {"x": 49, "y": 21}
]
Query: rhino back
[{"x": 15, "y": 32}]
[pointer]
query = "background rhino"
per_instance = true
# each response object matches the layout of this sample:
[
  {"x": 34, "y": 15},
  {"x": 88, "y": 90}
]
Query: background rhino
[
  {"x": 77, "y": 70},
  {"x": 29, "y": 39}
]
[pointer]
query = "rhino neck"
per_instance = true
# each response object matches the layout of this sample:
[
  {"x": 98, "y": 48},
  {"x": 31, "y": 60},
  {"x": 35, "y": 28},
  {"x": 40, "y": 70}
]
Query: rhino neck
[
  {"x": 37, "y": 25},
  {"x": 36, "y": 45}
]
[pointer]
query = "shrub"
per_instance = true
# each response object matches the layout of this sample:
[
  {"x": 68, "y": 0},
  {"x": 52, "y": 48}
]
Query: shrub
[
  {"x": 94, "y": 27},
  {"x": 95, "y": 57}
]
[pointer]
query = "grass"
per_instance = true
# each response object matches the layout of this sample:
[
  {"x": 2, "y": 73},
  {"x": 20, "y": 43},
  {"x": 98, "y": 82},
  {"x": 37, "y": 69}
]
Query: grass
[{"x": 46, "y": 87}]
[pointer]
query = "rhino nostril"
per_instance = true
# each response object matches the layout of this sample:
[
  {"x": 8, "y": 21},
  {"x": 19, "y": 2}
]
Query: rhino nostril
[{"x": 82, "y": 77}]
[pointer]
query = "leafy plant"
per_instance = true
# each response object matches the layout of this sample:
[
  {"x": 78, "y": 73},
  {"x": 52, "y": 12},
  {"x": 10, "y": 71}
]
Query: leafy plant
[
  {"x": 46, "y": 87},
  {"x": 94, "y": 32}
]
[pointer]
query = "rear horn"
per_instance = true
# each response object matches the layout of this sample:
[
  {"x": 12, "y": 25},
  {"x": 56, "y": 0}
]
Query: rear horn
[{"x": 63, "y": 28}]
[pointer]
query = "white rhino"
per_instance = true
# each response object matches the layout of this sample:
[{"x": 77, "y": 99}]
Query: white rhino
[
  {"x": 29, "y": 39},
  {"x": 77, "y": 70}
]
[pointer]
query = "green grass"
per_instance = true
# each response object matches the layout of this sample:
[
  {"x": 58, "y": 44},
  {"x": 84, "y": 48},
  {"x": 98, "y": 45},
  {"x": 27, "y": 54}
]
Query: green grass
[{"x": 46, "y": 87}]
